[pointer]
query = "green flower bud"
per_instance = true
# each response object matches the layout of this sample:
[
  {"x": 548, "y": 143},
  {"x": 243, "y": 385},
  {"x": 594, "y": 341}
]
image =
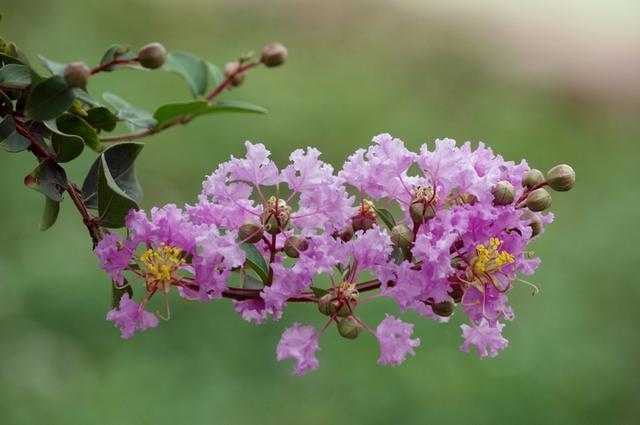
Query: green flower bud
[
  {"x": 421, "y": 212},
  {"x": 77, "y": 74},
  {"x": 532, "y": 177},
  {"x": 443, "y": 309},
  {"x": 346, "y": 310},
  {"x": 152, "y": 56},
  {"x": 538, "y": 200},
  {"x": 503, "y": 193},
  {"x": 274, "y": 54},
  {"x": 294, "y": 245},
  {"x": 250, "y": 232},
  {"x": 402, "y": 236},
  {"x": 561, "y": 178},
  {"x": 456, "y": 293},
  {"x": 230, "y": 69},
  {"x": 349, "y": 328},
  {"x": 534, "y": 222},
  {"x": 326, "y": 306}
]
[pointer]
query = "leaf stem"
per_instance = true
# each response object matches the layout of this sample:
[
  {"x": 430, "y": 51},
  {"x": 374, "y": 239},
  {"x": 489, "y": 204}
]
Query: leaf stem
[{"x": 105, "y": 66}]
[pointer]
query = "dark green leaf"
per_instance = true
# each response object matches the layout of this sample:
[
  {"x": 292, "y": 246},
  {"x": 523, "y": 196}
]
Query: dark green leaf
[
  {"x": 192, "y": 69},
  {"x": 121, "y": 161},
  {"x": 84, "y": 97},
  {"x": 256, "y": 261},
  {"x": 49, "y": 98},
  {"x": 215, "y": 73},
  {"x": 49, "y": 179},
  {"x": 251, "y": 282},
  {"x": 55, "y": 68},
  {"x": 5, "y": 58},
  {"x": 319, "y": 292},
  {"x": 167, "y": 113},
  {"x": 73, "y": 124},
  {"x": 118, "y": 291},
  {"x": 113, "y": 203},
  {"x": 50, "y": 214},
  {"x": 10, "y": 139},
  {"x": 101, "y": 118},
  {"x": 66, "y": 146},
  {"x": 386, "y": 216},
  {"x": 15, "y": 75},
  {"x": 127, "y": 112}
]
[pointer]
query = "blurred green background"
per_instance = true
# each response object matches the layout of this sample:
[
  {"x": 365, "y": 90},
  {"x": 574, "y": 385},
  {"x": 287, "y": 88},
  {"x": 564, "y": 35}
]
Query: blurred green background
[{"x": 356, "y": 69}]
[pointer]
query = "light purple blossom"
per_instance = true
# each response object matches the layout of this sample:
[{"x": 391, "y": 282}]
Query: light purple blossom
[
  {"x": 130, "y": 316},
  {"x": 395, "y": 340},
  {"x": 301, "y": 344},
  {"x": 487, "y": 339},
  {"x": 114, "y": 254}
]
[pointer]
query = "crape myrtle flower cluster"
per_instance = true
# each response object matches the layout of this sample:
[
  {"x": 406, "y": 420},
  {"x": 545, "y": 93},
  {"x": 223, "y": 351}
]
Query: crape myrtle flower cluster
[{"x": 443, "y": 230}]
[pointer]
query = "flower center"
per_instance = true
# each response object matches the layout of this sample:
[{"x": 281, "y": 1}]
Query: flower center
[
  {"x": 489, "y": 258},
  {"x": 160, "y": 265}
]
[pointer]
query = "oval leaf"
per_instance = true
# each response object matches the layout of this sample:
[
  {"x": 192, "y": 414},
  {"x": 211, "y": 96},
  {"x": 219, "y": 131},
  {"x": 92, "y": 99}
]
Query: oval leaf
[
  {"x": 192, "y": 69},
  {"x": 15, "y": 75},
  {"x": 137, "y": 118},
  {"x": 386, "y": 216},
  {"x": 49, "y": 179},
  {"x": 10, "y": 139},
  {"x": 73, "y": 124},
  {"x": 50, "y": 214},
  {"x": 256, "y": 261},
  {"x": 101, "y": 118},
  {"x": 49, "y": 98},
  {"x": 167, "y": 113},
  {"x": 56, "y": 68},
  {"x": 120, "y": 159},
  {"x": 113, "y": 203}
]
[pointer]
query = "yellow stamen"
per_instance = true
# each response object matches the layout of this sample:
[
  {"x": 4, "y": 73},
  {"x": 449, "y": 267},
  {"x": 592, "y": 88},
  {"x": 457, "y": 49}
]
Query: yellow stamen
[{"x": 160, "y": 264}]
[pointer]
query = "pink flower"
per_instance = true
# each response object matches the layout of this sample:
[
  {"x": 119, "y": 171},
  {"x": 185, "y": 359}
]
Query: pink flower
[
  {"x": 395, "y": 342},
  {"x": 114, "y": 254},
  {"x": 130, "y": 316},
  {"x": 299, "y": 343},
  {"x": 487, "y": 339}
]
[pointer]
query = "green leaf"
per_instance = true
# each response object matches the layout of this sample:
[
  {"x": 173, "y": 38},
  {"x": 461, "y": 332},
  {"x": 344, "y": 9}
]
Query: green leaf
[
  {"x": 167, "y": 113},
  {"x": 66, "y": 146},
  {"x": 73, "y": 124},
  {"x": 50, "y": 214},
  {"x": 256, "y": 261},
  {"x": 118, "y": 291},
  {"x": 251, "y": 282},
  {"x": 127, "y": 112},
  {"x": 386, "y": 216},
  {"x": 236, "y": 106},
  {"x": 49, "y": 98},
  {"x": 56, "y": 68},
  {"x": 319, "y": 292},
  {"x": 116, "y": 52},
  {"x": 397, "y": 255},
  {"x": 101, "y": 118},
  {"x": 113, "y": 203},
  {"x": 15, "y": 75},
  {"x": 215, "y": 73},
  {"x": 121, "y": 161},
  {"x": 84, "y": 97},
  {"x": 49, "y": 179},
  {"x": 192, "y": 69},
  {"x": 10, "y": 139}
]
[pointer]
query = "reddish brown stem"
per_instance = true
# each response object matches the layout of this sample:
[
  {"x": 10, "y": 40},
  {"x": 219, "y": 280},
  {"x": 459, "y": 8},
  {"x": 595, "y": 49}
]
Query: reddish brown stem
[
  {"x": 227, "y": 81},
  {"x": 105, "y": 66}
]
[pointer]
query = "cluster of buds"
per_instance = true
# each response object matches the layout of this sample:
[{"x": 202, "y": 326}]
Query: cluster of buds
[{"x": 450, "y": 239}]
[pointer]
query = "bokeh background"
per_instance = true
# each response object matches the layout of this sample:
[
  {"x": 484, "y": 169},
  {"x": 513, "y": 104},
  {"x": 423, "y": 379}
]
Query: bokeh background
[{"x": 550, "y": 81}]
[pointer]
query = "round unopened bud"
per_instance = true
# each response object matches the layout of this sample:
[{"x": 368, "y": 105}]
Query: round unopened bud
[
  {"x": 561, "y": 178},
  {"x": 348, "y": 309},
  {"x": 231, "y": 70},
  {"x": 347, "y": 234},
  {"x": 326, "y": 306},
  {"x": 421, "y": 212},
  {"x": 443, "y": 309},
  {"x": 538, "y": 200},
  {"x": 250, "y": 232},
  {"x": 152, "y": 56},
  {"x": 274, "y": 54},
  {"x": 294, "y": 245},
  {"x": 534, "y": 222},
  {"x": 532, "y": 178},
  {"x": 456, "y": 293},
  {"x": 77, "y": 74},
  {"x": 401, "y": 236},
  {"x": 503, "y": 193},
  {"x": 362, "y": 222},
  {"x": 349, "y": 328}
]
